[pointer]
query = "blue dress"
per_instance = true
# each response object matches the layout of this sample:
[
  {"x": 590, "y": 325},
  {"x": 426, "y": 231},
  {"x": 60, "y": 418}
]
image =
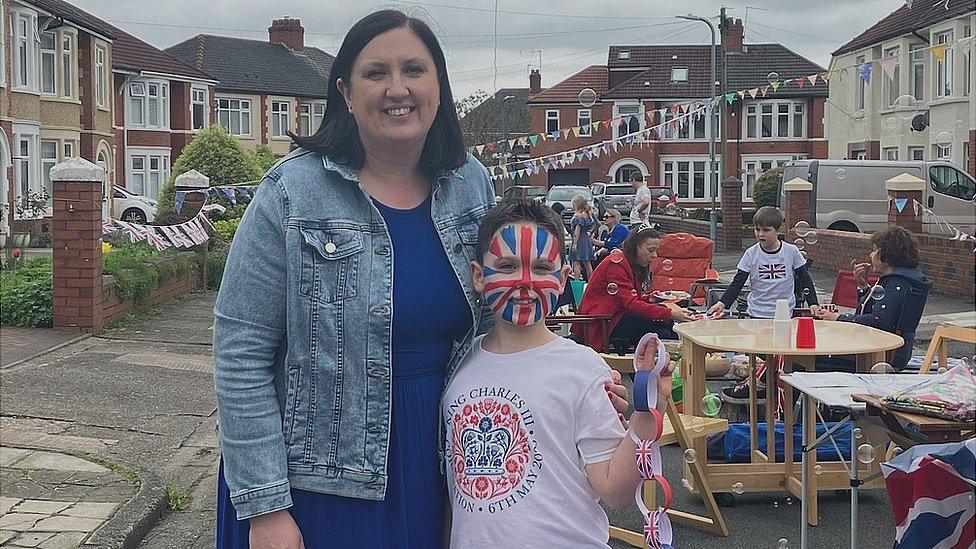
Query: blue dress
[
  {"x": 584, "y": 249},
  {"x": 430, "y": 311}
]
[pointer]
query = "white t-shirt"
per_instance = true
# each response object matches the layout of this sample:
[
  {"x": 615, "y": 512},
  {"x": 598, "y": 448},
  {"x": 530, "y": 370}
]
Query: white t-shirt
[
  {"x": 642, "y": 197},
  {"x": 521, "y": 427},
  {"x": 770, "y": 277}
]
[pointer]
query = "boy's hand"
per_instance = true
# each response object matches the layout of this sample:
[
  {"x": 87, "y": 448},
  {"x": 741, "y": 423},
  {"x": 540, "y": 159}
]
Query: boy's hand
[
  {"x": 815, "y": 310},
  {"x": 645, "y": 358},
  {"x": 716, "y": 309},
  {"x": 617, "y": 394}
]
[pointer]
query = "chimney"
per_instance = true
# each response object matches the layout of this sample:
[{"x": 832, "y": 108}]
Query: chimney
[
  {"x": 289, "y": 32},
  {"x": 733, "y": 32},
  {"x": 535, "y": 82}
]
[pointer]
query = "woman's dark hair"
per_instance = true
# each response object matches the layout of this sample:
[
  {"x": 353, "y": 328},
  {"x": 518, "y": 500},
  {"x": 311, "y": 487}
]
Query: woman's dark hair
[
  {"x": 338, "y": 136},
  {"x": 630, "y": 245},
  {"x": 519, "y": 210},
  {"x": 896, "y": 247}
]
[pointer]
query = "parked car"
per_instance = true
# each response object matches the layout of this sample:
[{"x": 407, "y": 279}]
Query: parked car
[
  {"x": 563, "y": 194},
  {"x": 617, "y": 196},
  {"x": 850, "y": 195},
  {"x": 131, "y": 207},
  {"x": 525, "y": 191}
]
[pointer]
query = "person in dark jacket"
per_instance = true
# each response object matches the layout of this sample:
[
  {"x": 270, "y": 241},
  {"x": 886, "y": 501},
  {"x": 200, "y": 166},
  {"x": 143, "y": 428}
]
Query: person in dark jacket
[{"x": 896, "y": 302}]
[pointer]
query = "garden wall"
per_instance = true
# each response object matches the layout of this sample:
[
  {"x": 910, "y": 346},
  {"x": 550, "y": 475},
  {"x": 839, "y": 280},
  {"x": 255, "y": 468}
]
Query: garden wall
[{"x": 115, "y": 307}]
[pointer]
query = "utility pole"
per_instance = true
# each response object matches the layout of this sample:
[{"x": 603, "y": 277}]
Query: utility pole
[{"x": 723, "y": 123}]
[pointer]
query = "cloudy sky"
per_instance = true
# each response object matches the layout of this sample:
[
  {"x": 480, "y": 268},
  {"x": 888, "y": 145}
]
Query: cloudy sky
[{"x": 571, "y": 34}]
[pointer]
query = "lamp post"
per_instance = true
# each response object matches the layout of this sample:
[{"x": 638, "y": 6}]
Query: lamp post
[
  {"x": 712, "y": 183},
  {"x": 504, "y": 152}
]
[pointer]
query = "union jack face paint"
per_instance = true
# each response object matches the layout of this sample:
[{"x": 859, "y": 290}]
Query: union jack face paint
[{"x": 523, "y": 274}]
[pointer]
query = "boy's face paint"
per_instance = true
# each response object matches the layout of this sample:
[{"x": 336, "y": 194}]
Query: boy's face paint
[{"x": 522, "y": 274}]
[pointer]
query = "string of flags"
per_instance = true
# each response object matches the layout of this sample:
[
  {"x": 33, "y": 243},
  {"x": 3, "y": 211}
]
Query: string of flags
[
  {"x": 184, "y": 235},
  {"x": 865, "y": 71},
  {"x": 931, "y": 217},
  {"x": 231, "y": 192}
]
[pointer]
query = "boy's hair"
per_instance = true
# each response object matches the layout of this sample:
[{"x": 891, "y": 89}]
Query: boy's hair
[
  {"x": 768, "y": 216},
  {"x": 519, "y": 210},
  {"x": 896, "y": 247}
]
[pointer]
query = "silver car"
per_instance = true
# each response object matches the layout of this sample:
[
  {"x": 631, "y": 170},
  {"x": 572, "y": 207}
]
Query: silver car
[
  {"x": 563, "y": 195},
  {"x": 617, "y": 196}
]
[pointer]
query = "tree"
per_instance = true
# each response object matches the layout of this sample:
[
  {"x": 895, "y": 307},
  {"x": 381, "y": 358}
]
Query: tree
[
  {"x": 767, "y": 187},
  {"x": 216, "y": 154},
  {"x": 264, "y": 157}
]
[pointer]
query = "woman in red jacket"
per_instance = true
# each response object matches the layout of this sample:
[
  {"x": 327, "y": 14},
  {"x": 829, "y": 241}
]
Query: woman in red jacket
[{"x": 616, "y": 288}]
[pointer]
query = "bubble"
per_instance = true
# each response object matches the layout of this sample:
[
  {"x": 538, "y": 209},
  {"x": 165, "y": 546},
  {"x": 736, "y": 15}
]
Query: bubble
[
  {"x": 841, "y": 173},
  {"x": 670, "y": 282},
  {"x": 811, "y": 238},
  {"x": 857, "y": 432},
  {"x": 882, "y": 368},
  {"x": 803, "y": 254},
  {"x": 896, "y": 451},
  {"x": 697, "y": 424},
  {"x": 587, "y": 97},
  {"x": 773, "y": 77},
  {"x": 664, "y": 199},
  {"x": 633, "y": 293},
  {"x": 667, "y": 264},
  {"x": 865, "y": 453},
  {"x": 789, "y": 501},
  {"x": 737, "y": 488},
  {"x": 711, "y": 405},
  {"x": 877, "y": 292},
  {"x": 800, "y": 243},
  {"x": 943, "y": 138},
  {"x": 775, "y": 504},
  {"x": 671, "y": 209},
  {"x": 783, "y": 543},
  {"x": 612, "y": 288},
  {"x": 806, "y": 292},
  {"x": 942, "y": 369},
  {"x": 818, "y": 469},
  {"x": 616, "y": 256},
  {"x": 905, "y": 107},
  {"x": 691, "y": 455},
  {"x": 801, "y": 228}
]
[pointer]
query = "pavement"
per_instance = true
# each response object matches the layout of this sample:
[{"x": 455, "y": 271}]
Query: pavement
[{"x": 78, "y": 413}]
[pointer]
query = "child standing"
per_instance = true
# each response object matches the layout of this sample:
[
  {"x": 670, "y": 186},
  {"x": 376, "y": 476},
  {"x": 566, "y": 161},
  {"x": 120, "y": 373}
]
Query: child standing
[
  {"x": 581, "y": 249},
  {"x": 532, "y": 441}
]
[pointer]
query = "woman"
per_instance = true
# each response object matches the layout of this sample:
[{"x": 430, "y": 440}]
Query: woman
[
  {"x": 346, "y": 306},
  {"x": 617, "y": 289},
  {"x": 581, "y": 249},
  {"x": 616, "y": 233},
  {"x": 896, "y": 302}
]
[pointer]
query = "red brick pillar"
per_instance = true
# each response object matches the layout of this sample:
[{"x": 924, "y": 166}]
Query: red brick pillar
[
  {"x": 905, "y": 190},
  {"x": 798, "y": 203},
  {"x": 77, "y": 245},
  {"x": 731, "y": 233}
]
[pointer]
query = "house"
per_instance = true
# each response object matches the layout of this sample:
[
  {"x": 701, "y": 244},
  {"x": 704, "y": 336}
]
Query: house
[
  {"x": 918, "y": 53},
  {"x": 267, "y": 88},
  {"x": 780, "y": 124}
]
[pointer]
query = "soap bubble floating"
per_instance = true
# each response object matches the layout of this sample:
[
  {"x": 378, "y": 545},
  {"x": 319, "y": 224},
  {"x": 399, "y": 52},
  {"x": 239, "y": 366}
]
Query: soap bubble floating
[
  {"x": 865, "y": 453},
  {"x": 612, "y": 288},
  {"x": 711, "y": 405}
]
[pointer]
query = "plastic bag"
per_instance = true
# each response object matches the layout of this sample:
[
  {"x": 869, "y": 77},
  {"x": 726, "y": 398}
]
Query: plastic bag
[{"x": 950, "y": 395}]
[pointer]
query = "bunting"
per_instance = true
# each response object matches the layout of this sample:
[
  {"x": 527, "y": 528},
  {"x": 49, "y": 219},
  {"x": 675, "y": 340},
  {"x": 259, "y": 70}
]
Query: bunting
[
  {"x": 888, "y": 65},
  {"x": 183, "y": 235}
]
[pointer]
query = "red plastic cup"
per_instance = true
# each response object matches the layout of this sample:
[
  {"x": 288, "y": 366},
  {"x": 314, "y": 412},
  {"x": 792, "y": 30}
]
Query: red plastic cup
[{"x": 806, "y": 338}]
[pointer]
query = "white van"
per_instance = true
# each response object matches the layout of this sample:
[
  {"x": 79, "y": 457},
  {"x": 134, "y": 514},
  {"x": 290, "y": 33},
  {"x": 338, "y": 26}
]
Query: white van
[{"x": 850, "y": 195}]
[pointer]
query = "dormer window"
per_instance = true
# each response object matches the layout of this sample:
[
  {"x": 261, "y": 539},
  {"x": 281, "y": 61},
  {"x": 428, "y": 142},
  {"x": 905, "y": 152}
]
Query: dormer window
[
  {"x": 679, "y": 74},
  {"x": 623, "y": 54}
]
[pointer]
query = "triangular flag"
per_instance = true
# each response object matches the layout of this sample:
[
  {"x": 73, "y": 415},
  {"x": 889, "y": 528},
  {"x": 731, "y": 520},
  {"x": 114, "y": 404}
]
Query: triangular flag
[
  {"x": 730, "y": 97},
  {"x": 888, "y": 65},
  {"x": 900, "y": 204},
  {"x": 774, "y": 84},
  {"x": 965, "y": 45},
  {"x": 566, "y": 132},
  {"x": 554, "y": 135},
  {"x": 764, "y": 89},
  {"x": 800, "y": 81},
  {"x": 178, "y": 201},
  {"x": 939, "y": 51},
  {"x": 595, "y": 126},
  {"x": 533, "y": 139},
  {"x": 753, "y": 92},
  {"x": 685, "y": 107},
  {"x": 864, "y": 70},
  {"x": 479, "y": 149},
  {"x": 825, "y": 76},
  {"x": 813, "y": 79},
  {"x": 229, "y": 191},
  {"x": 511, "y": 144},
  {"x": 576, "y": 131},
  {"x": 742, "y": 94}
]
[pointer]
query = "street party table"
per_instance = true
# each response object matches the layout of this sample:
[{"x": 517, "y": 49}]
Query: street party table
[{"x": 753, "y": 337}]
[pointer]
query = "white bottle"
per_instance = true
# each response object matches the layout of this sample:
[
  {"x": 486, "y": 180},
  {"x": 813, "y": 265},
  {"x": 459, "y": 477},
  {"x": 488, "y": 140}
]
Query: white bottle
[{"x": 782, "y": 324}]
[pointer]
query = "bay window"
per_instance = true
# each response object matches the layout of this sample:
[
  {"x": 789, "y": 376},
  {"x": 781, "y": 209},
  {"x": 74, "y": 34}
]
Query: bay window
[
  {"x": 631, "y": 119},
  {"x": 48, "y": 61},
  {"x": 943, "y": 67},
  {"x": 775, "y": 120},
  {"x": 24, "y": 41},
  {"x": 148, "y": 171},
  {"x": 67, "y": 65},
  {"x": 892, "y": 90},
  {"x": 687, "y": 176}
]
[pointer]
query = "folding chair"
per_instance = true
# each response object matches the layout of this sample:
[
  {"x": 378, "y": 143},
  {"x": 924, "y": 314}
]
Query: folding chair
[{"x": 940, "y": 343}]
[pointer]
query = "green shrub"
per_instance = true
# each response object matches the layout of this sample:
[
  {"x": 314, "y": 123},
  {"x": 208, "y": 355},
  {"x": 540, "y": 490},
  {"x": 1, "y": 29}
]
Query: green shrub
[
  {"x": 215, "y": 261},
  {"x": 766, "y": 190},
  {"x": 138, "y": 270},
  {"x": 26, "y": 294},
  {"x": 264, "y": 157},
  {"x": 225, "y": 230}
]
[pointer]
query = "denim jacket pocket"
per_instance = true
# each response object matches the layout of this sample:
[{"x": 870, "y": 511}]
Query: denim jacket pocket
[
  {"x": 468, "y": 236},
  {"x": 330, "y": 263}
]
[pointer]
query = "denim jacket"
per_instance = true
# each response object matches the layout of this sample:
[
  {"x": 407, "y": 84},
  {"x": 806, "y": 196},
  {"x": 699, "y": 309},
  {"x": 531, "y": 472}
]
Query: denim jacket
[{"x": 304, "y": 319}]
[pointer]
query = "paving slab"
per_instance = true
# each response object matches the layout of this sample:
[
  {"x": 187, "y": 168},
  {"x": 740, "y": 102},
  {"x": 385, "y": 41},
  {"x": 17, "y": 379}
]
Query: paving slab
[{"x": 21, "y": 344}]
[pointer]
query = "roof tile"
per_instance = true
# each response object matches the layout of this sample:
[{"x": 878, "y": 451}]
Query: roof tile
[{"x": 593, "y": 77}]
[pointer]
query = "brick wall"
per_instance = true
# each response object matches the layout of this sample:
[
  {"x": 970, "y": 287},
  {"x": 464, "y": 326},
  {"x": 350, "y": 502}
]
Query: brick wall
[
  {"x": 672, "y": 224},
  {"x": 114, "y": 307}
]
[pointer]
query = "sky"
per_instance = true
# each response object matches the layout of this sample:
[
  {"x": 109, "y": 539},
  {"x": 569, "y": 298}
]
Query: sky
[{"x": 571, "y": 34}]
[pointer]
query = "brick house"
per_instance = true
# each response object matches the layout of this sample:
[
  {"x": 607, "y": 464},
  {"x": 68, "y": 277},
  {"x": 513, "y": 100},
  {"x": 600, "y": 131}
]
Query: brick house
[
  {"x": 266, "y": 89},
  {"x": 862, "y": 122},
  {"x": 763, "y": 132}
]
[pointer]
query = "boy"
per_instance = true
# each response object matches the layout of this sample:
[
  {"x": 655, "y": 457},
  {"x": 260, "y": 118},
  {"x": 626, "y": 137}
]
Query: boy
[
  {"x": 533, "y": 442},
  {"x": 773, "y": 268}
]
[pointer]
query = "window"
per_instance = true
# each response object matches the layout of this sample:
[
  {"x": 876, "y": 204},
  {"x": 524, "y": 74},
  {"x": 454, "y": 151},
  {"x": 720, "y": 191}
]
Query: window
[
  {"x": 917, "y": 81},
  {"x": 148, "y": 104},
  {"x": 69, "y": 149},
  {"x": 860, "y": 89},
  {"x": 137, "y": 103},
  {"x": 552, "y": 121},
  {"x": 304, "y": 119},
  {"x": 775, "y": 119},
  {"x": 24, "y": 164},
  {"x": 279, "y": 119},
  {"x": 967, "y": 65},
  {"x": 584, "y": 117},
  {"x": 318, "y": 113},
  {"x": 890, "y": 153},
  {"x": 942, "y": 152},
  {"x": 101, "y": 76},
  {"x": 679, "y": 74},
  {"x": 687, "y": 177},
  {"x": 198, "y": 108},
  {"x": 694, "y": 126},
  {"x": 624, "y": 172},
  {"x": 48, "y": 61},
  {"x": 25, "y": 41},
  {"x": 950, "y": 181},
  {"x": 49, "y": 158},
  {"x": 754, "y": 168},
  {"x": 67, "y": 65},
  {"x": 148, "y": 170},
  {"x": 943, "y": 68},
  {"x": 916, "y": 153},
  {"x": 631, "y": 119},
  {"x": 623, "y": 54},
  {"x": 235, "y": 116},
  {"x": 137, "y": 181},
  {"x": 892, "y": 89}
]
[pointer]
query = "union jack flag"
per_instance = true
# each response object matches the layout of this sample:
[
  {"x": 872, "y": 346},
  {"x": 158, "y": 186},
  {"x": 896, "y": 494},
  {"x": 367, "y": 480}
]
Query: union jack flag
[
  {"x": 774, "y": 271},
  {"x": 931, "y": 491},
  {"x": 527, "y": 244},
  {"x": 645, "y": 459},
  {"x": 657, "y": 530}
]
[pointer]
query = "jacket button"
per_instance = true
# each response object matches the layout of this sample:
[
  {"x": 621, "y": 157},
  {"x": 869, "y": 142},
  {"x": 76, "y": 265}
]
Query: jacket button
[{"x": 382, "y": 250}]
